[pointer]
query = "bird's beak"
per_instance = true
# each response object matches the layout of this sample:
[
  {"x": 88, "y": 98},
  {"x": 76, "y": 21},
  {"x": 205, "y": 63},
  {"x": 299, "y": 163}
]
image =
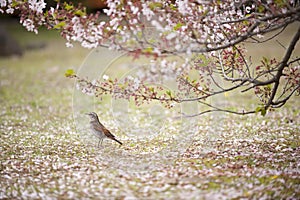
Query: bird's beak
[{"x": 87, "y": 113}]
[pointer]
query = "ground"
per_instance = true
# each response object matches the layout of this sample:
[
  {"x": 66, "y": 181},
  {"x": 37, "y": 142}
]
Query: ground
[{"x": 44, "y": 157}]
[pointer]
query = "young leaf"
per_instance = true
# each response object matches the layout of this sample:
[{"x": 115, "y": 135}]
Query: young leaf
[
  {"x": 168, "y": 92},
  {"x": 148, "y": 50},
  {"x": 258, "y": 109},
  {"x": 80, "y": 13},
  {"x": 59, "y": 25},
  {"x": 154, "y": 5},
  {"x": 68, "y": 7},
  {"x": 263, "y": 111},
  {"x": 69, "y": 73},
  {"x": 177, "y": 26}
]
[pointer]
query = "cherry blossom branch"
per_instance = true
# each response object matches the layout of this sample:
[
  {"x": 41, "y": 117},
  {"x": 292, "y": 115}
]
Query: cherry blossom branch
[{"x": 211, "y": 31}]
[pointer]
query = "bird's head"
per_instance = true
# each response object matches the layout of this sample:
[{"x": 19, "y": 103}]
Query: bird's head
[{"x": 92, "y": 115}]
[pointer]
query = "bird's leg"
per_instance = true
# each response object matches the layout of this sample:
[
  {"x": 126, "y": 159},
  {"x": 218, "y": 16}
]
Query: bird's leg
[{"x": 100, "y": 142}]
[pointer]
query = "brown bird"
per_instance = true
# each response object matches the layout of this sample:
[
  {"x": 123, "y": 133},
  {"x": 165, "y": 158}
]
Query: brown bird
[{"x": 99, "y": 130}]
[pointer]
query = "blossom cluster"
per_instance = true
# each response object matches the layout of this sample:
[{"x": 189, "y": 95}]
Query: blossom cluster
[{"x": 180, "y": 26}]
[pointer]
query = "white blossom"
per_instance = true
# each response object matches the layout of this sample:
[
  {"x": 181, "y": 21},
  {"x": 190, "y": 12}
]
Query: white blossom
[
  {"x": 136, "y": 83},
  {"x": 28, "y": 24},
  {"x": 94, "y": 82},
  {"x": 105, "y": 77},
  {"x": 77, "y": 86},
  {"x": 69, "y": 44},
  {"x": 260, "y": 36},
  {"x": 37, "y": 5},
  {"x": 10, "y": 10},
  {"x": 147, "y": 12},
  {"x": 227, "y": 26},
  {"x": 157, "y": 51},
  {"x": 157, "y": 25},
  {"x": 163, "y": 63},
  {"x": 134, "y": 10},
  {"x": 178, "y": 47},
  {"x": 89, "y": 45},
  {"x": 112, "y": 5},
  {"x": 183, "y": 6},
  {"x": 3, "y": 3},
  {"x": 171, "y": 36}
]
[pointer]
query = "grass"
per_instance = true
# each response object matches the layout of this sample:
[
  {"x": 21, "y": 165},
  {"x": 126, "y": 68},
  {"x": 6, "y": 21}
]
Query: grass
[{"x": 44, "y": 156}]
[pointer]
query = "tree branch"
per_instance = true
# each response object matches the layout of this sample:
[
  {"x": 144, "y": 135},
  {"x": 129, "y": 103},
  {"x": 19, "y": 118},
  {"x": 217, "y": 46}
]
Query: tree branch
[
  {"x": 280, "y": 103},
  {"x": 282, "y": 65}
]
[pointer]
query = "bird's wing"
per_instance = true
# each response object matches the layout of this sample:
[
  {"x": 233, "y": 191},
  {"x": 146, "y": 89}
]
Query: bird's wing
[
  {"x": 108, "y": 133},
  {"x": 105, "y": 131}
]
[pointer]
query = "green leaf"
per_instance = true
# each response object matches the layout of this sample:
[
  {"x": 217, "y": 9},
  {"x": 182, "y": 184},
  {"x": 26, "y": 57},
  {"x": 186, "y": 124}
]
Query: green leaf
[
  {"x": 148, "y": 50},
  {"x": 246, "y": 23},
  {"x": 261, "y": 9},
  {"x": 59, "y": 25},
  {"x": 262, "y": 110},
  {"x": 177, "y": 26},
  {"x": 14, "y": 4},
  {"x": 69, "y": 73},
  {"x": 154, "y": 5},
  {"x": 151, "y": 89},
  {"x": 173, "y": 7},
  {"x": 265, "y": 59},
  {"x": 280, "y": 3},
  {"x": 80, "y": 13},
  {"x": 168, "y": 92},
  {"x": 68, "y": 7},
  {"x": 257, "y": 110},
  {"x": 139, "y": 34}
]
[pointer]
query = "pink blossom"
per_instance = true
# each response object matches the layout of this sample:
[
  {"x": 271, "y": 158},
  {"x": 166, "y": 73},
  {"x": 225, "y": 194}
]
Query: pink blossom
[{"x": 37, "y": 5}]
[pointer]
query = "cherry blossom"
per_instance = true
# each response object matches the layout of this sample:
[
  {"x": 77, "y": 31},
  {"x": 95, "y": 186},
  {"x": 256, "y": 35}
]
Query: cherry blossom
[{"x": 37, "y": 5}]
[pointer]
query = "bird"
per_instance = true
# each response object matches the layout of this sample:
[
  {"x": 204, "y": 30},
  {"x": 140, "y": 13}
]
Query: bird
[{"x": 99, "y": 130}]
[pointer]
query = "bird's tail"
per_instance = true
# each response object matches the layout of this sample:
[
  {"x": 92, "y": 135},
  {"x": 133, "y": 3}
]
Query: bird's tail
[{"x": 117, "y": 141}]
